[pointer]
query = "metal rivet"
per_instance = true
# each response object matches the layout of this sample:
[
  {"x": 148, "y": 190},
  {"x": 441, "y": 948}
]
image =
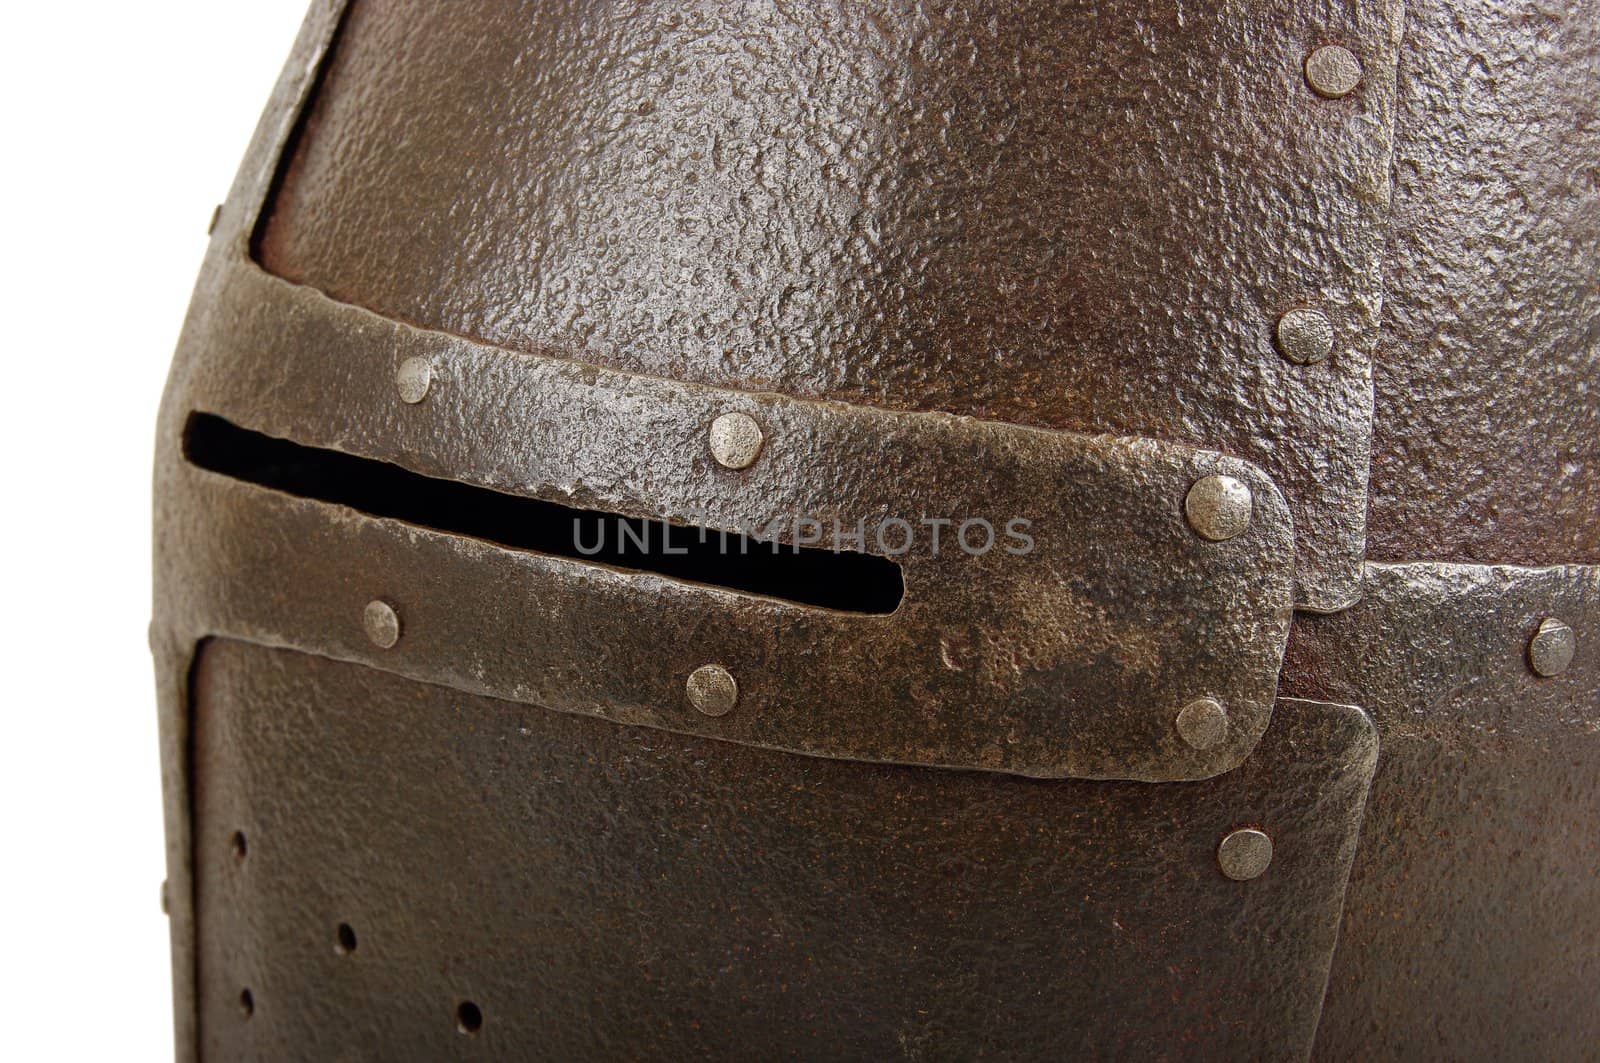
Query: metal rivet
[
  {"x": 712, "y": 690},
  {"x": 413, "y": 379},
  {"x": 1552, "y": 647},
  {"x": 1305, "y": 336},
  {"x": 735, "y": 440},
  {"x": 1333, "y": 71},
  {"x": 1203, "y": 723},
  {"x": 1244, "y": 854},
  {"x": 1218, "y": 507},
  {"x": 216, "y": 216},
  {"x": 382, "y": 624}
]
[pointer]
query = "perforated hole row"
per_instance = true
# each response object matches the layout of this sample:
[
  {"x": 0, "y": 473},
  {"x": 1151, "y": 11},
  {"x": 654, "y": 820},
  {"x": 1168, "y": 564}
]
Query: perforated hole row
[{"x": 469, "y": 1016}]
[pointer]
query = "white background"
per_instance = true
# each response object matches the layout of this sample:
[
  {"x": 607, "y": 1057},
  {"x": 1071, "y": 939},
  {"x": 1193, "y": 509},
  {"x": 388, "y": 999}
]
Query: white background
[{"x": 123, "y": 124}]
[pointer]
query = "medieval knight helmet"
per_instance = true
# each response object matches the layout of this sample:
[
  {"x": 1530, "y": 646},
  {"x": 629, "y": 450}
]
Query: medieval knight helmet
[{"x": 876, "y": 530}]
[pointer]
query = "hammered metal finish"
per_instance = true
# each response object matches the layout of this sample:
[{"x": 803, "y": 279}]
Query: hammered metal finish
[
  {"x": 744, "y": 904},
  {"x": 1488, "y": 430},
  {"x": 1034, "y": 214},
  {"x": 1117, "y": 267},
  {"x": 1473, "y": 913}
]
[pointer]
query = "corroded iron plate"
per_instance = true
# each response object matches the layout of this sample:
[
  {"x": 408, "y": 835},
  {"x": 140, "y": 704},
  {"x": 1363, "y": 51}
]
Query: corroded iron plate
[
  {"x": 600, "y": 891},
  {"x": 1487, "y": 427}
]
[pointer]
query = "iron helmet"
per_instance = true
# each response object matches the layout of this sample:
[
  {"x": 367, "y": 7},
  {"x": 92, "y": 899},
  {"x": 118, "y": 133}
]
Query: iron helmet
[{"x": 893, "y": 530}]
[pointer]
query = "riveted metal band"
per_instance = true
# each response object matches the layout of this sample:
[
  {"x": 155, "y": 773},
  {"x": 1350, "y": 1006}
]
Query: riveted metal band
[
  {"x": 1073, "y": 659},
  {"x": 1054, "y": 664},
  {"x": 173, "y": 651},
  {"x": 1454, "y": 650}
]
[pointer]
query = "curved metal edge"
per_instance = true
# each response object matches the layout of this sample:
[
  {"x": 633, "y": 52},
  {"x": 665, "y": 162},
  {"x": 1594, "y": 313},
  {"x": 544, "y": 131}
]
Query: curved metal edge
[
  {"x": 1353, "y": 781},
  {"x": 172, "y": 655},
  {"x": 174, "y": 710}
]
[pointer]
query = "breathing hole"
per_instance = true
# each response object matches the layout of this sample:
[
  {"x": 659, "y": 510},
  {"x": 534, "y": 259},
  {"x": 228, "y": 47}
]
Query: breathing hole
[
  {"x": 247, "y": 1003},
  {"x": 240, "y": 847},
  {"x": 344, "y": 939},
  {"x": 469, "y": 1017}
]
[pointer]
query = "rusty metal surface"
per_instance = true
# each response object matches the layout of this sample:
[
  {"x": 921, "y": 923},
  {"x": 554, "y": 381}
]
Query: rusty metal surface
[
  {"x": 1073, "y": 659},
  {"x": 1472, "y": 921},
  {"x": 602, "y": 891},
  {"x": 172, "y": 652},
  {"x": 925, "y": 250},
  {"x": 1086, "y": 216},
  {"x": 1487, "y": 430}
]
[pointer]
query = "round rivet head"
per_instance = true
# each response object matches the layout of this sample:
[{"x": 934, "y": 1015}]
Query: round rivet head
[
  {"x": 1333, "y": 71},
  {"x": 735, "y": 440},
  {"x": 1203, "y": 723},
  {"x": 1305, "y": 336},
  {"x": 1244, "y": 854},
  {"x": 382, "y": 624},
  {"x": 1552, "y": 647},
  {"x": 413, "y": 379},
  {"x": 712, "y": 690},
  {"x": 1218, "y": 507}
]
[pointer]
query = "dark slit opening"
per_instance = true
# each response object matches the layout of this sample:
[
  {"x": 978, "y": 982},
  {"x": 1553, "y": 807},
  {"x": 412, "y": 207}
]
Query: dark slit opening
[{"x": 843, "y": 580}]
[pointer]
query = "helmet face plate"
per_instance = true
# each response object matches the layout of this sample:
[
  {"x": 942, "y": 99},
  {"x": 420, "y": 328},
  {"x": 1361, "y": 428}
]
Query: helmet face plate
[
  {"x": 767, "y": 894},
  {"x": 878, "y": 800}
]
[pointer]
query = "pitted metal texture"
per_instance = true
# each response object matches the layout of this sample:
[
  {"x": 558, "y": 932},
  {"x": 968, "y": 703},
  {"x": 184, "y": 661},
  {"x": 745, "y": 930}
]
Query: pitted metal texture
[
  {"x": 599, "y": 891},
  {"x": 1118, "y": 267},
  {"x": 1487, "y": 428},
  {"x": 1473, "y": 911},
  {"x": 1086, "y": 216}
]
